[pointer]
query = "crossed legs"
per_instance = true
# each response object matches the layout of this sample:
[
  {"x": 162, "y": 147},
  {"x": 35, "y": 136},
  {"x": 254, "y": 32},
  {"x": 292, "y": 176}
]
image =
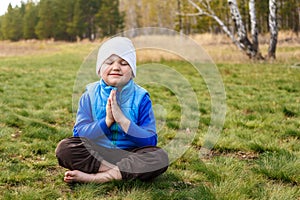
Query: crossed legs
[{"x": 88, "y": 162}]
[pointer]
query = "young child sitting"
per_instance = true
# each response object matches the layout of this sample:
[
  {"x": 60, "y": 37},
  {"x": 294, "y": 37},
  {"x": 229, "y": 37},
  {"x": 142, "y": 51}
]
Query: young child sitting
[{"x": 114, "y": 137}]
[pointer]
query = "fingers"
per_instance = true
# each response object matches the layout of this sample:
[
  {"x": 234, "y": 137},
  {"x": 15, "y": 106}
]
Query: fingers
[
  {"x": 112, "y": 92},
  {"x": 113, "y": 96},
  {"x": 117, "y": 113},
  {"x": 108, "y": 105},
  {"x": 109, "y": 115},
  {"x": 113, "y": 100}
]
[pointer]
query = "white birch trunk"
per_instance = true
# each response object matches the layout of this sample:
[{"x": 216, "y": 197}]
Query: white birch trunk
[
  {"x": 241, "y": 31},
  {"x": 242, "y": 42},
  {"x": 254, "y": 30},
  {"x": 210, "y": 13},
  {"x": 273, "y": 29},
  {"x": 236, "y": 16}
]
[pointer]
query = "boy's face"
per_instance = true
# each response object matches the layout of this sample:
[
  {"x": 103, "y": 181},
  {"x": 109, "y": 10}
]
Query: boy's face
[{"x": 116, "y": 71}]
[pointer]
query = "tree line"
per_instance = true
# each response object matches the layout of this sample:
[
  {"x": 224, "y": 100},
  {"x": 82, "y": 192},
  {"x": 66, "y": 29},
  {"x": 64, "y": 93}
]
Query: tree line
[
  {"x": 71, "y": 20},
  {"x": 61, "y": 20},
  {"x": 175, "y": 14}
]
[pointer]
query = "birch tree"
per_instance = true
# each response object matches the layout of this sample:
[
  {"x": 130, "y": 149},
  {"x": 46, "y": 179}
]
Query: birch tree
[
  {"x": 241, "y": 30},
  {"x": 251, "y": 49},
  {"x": 204, "y": 9},
  {"x": 254, "y": 29},
  {"x": 273, "y": 29}
]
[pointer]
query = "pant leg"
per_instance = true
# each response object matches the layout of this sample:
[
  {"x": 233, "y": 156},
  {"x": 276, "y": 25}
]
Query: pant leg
[
  {"x": 79, "y": 153},
  {"x": 144, "y": 163}
]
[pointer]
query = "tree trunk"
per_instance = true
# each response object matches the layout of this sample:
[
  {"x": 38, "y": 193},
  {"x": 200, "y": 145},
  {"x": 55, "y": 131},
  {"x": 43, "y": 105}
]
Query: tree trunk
[
  {"x": 273, "y": 29},
  {"x": 241, "y": 31},
  {"x": 210, "y": 13},
  {"x": 296, "y": 20},
  {"x": 179, "y": 16},
  {"x": 254, "y": 31}
]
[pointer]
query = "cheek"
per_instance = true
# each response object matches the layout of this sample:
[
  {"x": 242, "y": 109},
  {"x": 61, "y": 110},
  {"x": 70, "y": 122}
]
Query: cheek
[
  {"x": 128, "y": 72},
  {"x": 104, "y": 70}
]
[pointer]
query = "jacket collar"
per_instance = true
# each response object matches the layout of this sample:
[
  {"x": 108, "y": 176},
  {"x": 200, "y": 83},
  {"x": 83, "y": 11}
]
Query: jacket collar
[{"x": 122, "y": 96}]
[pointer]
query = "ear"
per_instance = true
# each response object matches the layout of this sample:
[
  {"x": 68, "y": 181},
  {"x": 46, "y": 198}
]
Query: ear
[
  {"x": 101, "y": 70},
  {"x": 99, "y": 74}
]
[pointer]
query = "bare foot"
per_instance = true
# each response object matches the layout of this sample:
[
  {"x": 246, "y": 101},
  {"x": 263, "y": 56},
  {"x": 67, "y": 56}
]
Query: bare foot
[
  {"x": 78, "y": 176},
  {"x": 100, "y": 177}
]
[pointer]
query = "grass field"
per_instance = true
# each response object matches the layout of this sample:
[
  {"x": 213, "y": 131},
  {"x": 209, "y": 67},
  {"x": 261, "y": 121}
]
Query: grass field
[{"x": 256, "y": 157}]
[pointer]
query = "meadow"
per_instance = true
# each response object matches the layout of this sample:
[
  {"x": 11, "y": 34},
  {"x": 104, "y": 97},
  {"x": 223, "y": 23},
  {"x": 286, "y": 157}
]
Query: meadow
[{"x": 257, "y": 155}]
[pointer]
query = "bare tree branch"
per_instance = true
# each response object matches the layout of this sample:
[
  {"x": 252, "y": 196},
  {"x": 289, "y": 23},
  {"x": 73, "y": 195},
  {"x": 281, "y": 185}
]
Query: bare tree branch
[
  {"x": 210, "y": 13},
  {"x": 227, "y": 31},
  {"x": 200, "y": 10},
  {"x": 243, "y": 43}
]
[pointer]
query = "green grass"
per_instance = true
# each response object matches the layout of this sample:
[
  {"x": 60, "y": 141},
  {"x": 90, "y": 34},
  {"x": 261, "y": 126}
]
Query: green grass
[{"x": 256, "y": 156}]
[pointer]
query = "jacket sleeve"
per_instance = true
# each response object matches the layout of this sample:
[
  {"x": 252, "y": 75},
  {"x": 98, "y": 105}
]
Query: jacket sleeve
[
  {"x": 143, "y": 133},
  {"x": 85, "y": 125}
]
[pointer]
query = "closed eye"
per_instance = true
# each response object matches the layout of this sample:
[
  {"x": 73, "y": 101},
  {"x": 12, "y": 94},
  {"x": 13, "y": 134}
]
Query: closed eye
[
  {"x": 121, "y": 62},
  {"x": 124, "y": 63},
  {"x": 108, "y": 62}
]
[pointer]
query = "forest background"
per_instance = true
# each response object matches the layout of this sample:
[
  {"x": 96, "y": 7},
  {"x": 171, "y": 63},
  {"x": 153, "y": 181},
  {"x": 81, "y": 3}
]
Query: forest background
[{"x": 73, "y": 20}]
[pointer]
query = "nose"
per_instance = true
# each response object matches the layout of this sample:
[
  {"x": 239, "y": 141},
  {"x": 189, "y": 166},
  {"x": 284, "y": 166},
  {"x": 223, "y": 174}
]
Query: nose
[{"x": 116, "y": 66}]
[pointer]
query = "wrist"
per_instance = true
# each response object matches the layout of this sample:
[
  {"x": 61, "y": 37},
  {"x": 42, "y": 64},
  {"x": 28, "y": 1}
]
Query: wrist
[
  {"x": 125, "y": 123},
  {"x": 108, "y": 122}
]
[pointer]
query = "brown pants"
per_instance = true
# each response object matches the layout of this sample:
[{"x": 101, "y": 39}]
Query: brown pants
[{"x": 146, "y": 163}]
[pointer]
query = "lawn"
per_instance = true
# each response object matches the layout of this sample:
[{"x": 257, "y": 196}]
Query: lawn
[{"x": 257, "y": 155}]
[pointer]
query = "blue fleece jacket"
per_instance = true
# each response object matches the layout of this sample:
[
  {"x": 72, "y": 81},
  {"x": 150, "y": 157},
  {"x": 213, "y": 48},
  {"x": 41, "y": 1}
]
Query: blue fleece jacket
[{"x": 141, "y": 132}]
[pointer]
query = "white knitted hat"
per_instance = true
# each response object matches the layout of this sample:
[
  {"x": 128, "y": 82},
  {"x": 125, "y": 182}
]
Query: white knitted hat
[{"x": 120, "y": 46}]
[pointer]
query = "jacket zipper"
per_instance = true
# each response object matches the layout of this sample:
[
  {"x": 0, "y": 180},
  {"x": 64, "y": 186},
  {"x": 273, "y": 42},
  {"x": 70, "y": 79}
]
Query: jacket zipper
[{"x": 115, "y": 134}]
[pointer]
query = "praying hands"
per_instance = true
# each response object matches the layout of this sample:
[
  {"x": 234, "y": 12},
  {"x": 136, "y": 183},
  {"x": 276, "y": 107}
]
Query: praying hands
[{"x": 114, "y": 113}]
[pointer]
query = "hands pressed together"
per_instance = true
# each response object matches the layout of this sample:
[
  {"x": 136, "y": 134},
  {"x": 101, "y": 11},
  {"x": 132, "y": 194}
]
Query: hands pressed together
[{"x": 114, "y": 112}]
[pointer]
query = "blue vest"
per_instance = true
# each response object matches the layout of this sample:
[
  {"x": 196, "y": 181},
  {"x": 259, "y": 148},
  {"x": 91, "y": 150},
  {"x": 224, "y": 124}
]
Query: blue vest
[{"x": 129, "y": 100}]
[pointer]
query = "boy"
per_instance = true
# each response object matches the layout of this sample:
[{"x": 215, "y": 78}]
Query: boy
[{"x": 114, "y": 134}]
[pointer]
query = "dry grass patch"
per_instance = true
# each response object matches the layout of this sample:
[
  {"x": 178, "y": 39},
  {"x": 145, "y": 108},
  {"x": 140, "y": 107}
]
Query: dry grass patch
[
  {"x": 219, "y": 48},
  {"x": 30, "y": 47}
]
